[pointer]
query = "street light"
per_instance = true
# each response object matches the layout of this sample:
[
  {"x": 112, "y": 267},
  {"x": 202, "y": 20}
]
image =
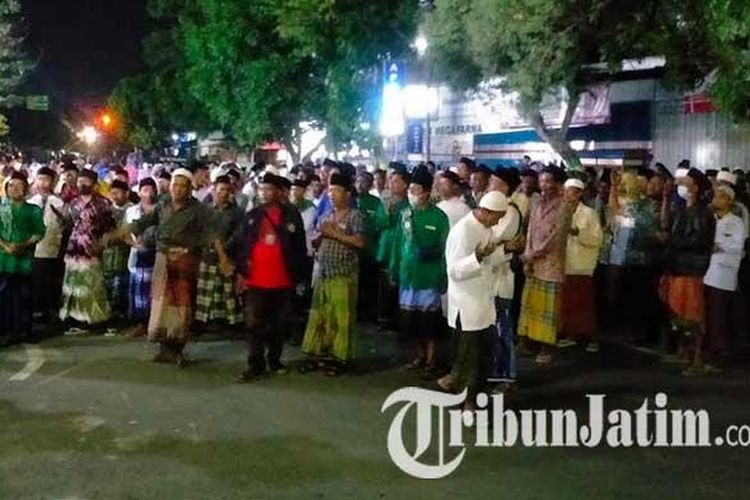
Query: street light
[
  {"x": 421, "y": 44},
  {"x": 89, "y": 135}
]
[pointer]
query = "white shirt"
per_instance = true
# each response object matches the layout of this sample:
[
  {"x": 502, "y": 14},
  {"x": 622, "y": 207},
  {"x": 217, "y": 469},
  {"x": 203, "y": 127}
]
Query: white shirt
[
  {"x": 132, "y": 214},
  {"x": 740, "y": 210},
  {"x": 503, "y": 277},
  {"x": 582, "y": 251},
  {"x": 724, "y": 266},
  {"x": 455, "y": 208},
  {"x": 49, "y": 246},
  {"x": 469, "y": 281},
  {"x": 308, "y": 216}
]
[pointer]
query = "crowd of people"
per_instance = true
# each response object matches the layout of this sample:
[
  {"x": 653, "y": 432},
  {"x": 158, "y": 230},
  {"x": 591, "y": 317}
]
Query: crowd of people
[{"x": 512, "y": 261}]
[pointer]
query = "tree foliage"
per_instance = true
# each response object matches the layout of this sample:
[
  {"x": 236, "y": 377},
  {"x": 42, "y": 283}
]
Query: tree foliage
[
  {"x": 151, "y": 105},
  {"x": 540, "y": 46},
  {"x": 729, "y": 33},
  {"x": 258, "y": 69},
  {"x": 14, "y": 65}
]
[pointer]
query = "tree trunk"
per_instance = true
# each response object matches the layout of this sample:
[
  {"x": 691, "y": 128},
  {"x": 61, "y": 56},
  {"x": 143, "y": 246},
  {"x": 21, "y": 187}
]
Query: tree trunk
[
  {"x": 289, "y": 144},
  {"x": 557, "y": 138},
  {"x": 309, "y": 153}
]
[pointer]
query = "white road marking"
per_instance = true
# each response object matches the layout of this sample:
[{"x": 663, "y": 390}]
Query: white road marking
[{"x": 36, "y": 360}]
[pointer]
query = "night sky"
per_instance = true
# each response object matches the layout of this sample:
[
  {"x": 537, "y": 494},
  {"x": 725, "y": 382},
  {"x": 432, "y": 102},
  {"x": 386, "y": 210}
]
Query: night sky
[{"x": 84, "y": 46}]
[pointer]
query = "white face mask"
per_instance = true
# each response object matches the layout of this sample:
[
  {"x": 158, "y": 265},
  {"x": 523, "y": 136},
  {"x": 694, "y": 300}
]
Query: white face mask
[
  {"x": 413, "y": 200},
  {"x": 683, "y": 192}
]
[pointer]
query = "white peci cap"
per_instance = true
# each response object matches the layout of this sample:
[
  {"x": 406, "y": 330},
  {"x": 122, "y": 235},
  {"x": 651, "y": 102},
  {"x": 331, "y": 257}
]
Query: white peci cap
[
  {"x": 575, "y": 183},
  {"x": 494, "y": 201},
  {"x": 182, "y": 172},
  {"x": 681, "y": 173},
  {"x": 727, "y": 177}
]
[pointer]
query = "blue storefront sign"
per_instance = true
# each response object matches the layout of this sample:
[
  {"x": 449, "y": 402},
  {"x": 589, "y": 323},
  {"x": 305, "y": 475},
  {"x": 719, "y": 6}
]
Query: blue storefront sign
[{"x": 415, "y": 139}]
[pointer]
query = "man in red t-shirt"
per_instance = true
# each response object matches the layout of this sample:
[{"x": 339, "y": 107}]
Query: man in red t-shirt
[{"x": 272, "y": 262}]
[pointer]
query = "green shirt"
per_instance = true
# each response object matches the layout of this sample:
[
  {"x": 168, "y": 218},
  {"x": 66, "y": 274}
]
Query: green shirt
[
  {"x": 368, "y": 206},
  {"x": 387, "y": 220},
  {"x": 115, "y": 257},
  {"x": 19, "y": 222},
  {"x": 304, "y": 205},
  {"x": 418, "y": 257}
]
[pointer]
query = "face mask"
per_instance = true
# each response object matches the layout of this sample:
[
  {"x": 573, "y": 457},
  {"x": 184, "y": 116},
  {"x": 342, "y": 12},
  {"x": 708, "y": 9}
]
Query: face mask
[
  {"x": 683, "y": 192},
  {"x": 413, "y": 200},
  {"x": 86, "y": 190}
]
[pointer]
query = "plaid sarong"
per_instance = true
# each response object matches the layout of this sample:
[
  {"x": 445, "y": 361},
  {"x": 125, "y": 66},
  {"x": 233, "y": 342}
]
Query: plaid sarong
[
  {"x": 216, "y": 299},
  {"x": 540, "y": 311}
]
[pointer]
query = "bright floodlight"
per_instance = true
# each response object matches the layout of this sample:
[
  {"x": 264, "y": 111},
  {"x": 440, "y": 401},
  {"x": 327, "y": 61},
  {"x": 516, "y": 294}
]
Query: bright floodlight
[
  {"x": 421, "y": 45},
  {"x": 89, "y": 135},
  {"x": 392, "y": 117},
  {"x": 420, "y": 101}
]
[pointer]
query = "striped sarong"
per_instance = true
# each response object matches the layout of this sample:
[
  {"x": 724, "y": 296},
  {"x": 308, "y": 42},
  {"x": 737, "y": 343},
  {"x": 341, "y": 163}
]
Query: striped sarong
[
  {"x": 216, "y": 299},
  {"x": 139, "y": 290},
  {"x": 117, "y": 284},
  {"x": 540, "y": 311}
]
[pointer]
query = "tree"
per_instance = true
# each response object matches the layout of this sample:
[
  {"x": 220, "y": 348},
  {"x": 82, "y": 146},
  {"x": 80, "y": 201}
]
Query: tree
[
  {"x": 261, "y": 70},
  {"x": 728, "y": 34},
  {"x": 152, "y": 105},
  {"x": 541, "y": 46},
  {"x": 14, "y": 65}
]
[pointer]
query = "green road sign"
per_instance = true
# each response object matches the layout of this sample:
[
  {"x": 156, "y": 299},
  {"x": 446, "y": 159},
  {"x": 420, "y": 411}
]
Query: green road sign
[{"x": 37, "y": 103}]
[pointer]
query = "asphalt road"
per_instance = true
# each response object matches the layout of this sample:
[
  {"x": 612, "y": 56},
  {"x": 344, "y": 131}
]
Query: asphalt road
[{"x": 92, "y": 418}]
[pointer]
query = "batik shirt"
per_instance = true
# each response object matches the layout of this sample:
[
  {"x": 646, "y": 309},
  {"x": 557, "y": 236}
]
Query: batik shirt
[
  {"x": 336, "y": 258},
  {"x": 19, "y": 222},
  {"x": 549, "y": 225},
  {"x": 91, "y": 220},
  {"x": 635, "y": 234}
]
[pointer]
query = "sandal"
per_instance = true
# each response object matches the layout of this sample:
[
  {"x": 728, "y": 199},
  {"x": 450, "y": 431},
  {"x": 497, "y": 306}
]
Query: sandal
[
  {"x": 307, "y": 367},
  {"x": 543, "y": 359},
  {"x": 446, "y": 384},
  {"x": 247, "y": 377}
]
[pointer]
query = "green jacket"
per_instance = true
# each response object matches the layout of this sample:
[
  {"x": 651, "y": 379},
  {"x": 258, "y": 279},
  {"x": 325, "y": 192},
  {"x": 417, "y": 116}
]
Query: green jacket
[
  {"x": 387, "y": 221},
  {"x": 418, "y": 257},
  {"x": 369, "y": 206}
]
